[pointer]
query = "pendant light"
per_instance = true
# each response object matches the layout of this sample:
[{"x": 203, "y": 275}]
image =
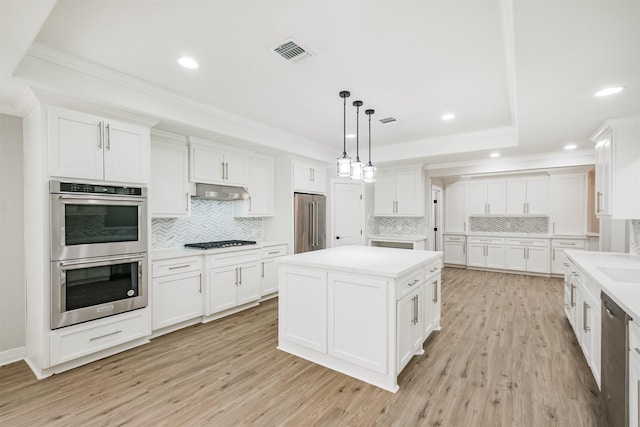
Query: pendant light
[
  {"x": 344, "y": 162},
  {"x": 356, "y": 167},
  {"x": 369, "y": 171}
]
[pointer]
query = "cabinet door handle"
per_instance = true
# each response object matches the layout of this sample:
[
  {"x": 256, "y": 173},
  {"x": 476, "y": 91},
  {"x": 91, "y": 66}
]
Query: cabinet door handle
[
  {"x": 187, "y": 200},
  {"x": 464, "y": 225},
  {"x": 179, "y": 266},
  {"x": 414, "y": 282},
  {"x": 637, "y": 350},
  {"x": 108, "y": 137},
  {"x": 585, "y": 307},
  {"x": 222, "y": 164},
  {"x": 249, "y": 203},
  {"x": 263, "y": 269},
  {"x": 464, "y": 249},
  {"x": 273, "y": 253},
  {"x": 553, "y": 227},
  {"x": 240, "y": 270},
  {"x": 310, "y": 175},
  {"x": 598, "y": 198},
  {"x": 99, "y": 135},
  {"x": 313, "y": 175},
  {"x": 435, "y": 291},
  {"x": 573, "y": 293},
  {"x": 236, "y": 276}
]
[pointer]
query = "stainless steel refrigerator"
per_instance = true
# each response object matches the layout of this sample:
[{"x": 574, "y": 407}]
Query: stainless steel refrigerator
[{"x": 310, "y": 212}]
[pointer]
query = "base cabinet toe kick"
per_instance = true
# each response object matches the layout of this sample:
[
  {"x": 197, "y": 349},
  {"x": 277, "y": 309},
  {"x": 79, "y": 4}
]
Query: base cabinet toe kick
[{"x": 363, "y": 325}]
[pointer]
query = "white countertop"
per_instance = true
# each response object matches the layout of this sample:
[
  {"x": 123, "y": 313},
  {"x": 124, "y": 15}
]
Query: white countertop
[
  {"x": 625, "y": 294},
  {"x": 387, "y": 262},
  {"x": 396, "y": 238},
  {"x": 179, "y": 252}
]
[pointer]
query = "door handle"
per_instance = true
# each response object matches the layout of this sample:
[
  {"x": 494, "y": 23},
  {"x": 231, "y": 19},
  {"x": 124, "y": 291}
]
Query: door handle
[
  {"x": 240, "y": 270},
  {"x": 311, "y": 230},
  {"x": 598, "y": 198},
  {"x": 585, "y": 307},
  {"x": 263, "y": 269},
  {"x": 108, "y": 137},
  {"x": 236, "y": 276},
  {"x": 222, "y": 164},
  {"x": 573, "y": 293}
]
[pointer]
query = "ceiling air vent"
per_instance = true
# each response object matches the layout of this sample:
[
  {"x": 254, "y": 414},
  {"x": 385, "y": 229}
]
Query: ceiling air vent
[
  {"x": 291, "y": 50},
  {"x": 387, "y": 120}
]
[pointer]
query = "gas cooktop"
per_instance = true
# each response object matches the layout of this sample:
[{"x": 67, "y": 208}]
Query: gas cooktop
[{"x": 219, "y": 244}]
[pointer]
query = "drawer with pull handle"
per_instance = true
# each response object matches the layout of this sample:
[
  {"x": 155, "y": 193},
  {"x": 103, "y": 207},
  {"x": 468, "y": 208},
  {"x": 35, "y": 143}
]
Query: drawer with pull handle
[
  {"x": 176, "y": 266},
  {"x": 274, "y": 251},
  {"x": 70, "y": 343},
  {"x": 409, "y": 282},
  {"x": 567, "y": 244}
]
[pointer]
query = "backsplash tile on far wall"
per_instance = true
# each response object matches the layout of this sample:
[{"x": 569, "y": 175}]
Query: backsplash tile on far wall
[
  {"x": 634, "y": 236},
  {"x": 210, "y": 220},
  {"x": 509, "y": 224},
  {"x": 397, "y": 226}
]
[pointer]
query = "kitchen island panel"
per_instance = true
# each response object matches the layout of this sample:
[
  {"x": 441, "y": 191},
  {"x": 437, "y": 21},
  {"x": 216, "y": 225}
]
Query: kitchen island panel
[{"x": 358, "y": 317}]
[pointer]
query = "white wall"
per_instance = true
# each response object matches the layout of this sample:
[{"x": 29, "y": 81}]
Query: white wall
[{"x": 12, "y": 277}]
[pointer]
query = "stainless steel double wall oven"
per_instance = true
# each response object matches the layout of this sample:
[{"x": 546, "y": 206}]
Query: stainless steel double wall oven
[{"x": 98, "y": 251}]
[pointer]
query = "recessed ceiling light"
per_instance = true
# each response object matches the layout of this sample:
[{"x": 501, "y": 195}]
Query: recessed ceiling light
[
  {"x": 494, "y": 155},
  {"x": 609, "y": 91},
  {"x": 351, "y": 135},
  {"x": 448, "y": 116},
  {"x": 570, "y": 147},
  {"x": 187, "y": 62}
]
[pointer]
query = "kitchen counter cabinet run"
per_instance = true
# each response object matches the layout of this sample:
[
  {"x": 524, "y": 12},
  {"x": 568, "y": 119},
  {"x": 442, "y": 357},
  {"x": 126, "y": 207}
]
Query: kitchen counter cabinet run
[{"x": 362, "y": 311}]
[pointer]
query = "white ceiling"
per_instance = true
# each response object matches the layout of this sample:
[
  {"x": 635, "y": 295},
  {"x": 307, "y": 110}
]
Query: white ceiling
[{"x": 520, "y": 76}]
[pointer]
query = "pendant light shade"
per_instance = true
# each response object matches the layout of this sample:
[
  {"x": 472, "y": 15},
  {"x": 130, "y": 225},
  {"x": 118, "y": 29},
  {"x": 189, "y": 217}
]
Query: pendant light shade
[
  {"x": 356, "y": 167},
  {"x": 344, "y": 161},
  {"x": 369, "y": 171}
]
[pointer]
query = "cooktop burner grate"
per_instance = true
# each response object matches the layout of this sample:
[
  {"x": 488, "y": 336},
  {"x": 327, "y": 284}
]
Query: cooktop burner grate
[{"x": 219, "y": 244}]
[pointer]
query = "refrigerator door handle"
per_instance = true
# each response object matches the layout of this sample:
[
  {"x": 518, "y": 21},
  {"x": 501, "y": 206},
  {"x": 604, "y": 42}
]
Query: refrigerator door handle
[
  {"x": 311, "y": 236},
  {"x": 316, "y": 216}
]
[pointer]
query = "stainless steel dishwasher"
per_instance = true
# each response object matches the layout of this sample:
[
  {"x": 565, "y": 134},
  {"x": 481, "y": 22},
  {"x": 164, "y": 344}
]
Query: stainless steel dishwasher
[{"x": 615, "y": 346}]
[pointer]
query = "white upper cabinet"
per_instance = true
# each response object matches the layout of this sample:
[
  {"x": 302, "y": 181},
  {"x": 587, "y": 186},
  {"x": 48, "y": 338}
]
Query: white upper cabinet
[
  {"x": 92, "y": 147},
  {"x": 309, "y": 178},
  {"x": 527, "y": 195},
  {"x": 568, "y": 213},
  {"x": 169, "y": 186},
  {"x": 618, "y": 168},
  {"x": 454, "y": 218},
  {"x": 260, "y": 187},
  {"x": 486, "y": 196},
  {"x": 211, "y": 163},
  {"x": 399, "y": 192}
]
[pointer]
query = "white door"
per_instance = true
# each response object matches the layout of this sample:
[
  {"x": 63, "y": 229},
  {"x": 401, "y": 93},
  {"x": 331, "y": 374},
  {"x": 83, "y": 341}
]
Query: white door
[
  {"x": 454, "y": 219},
  {"x": 495, "y": 256},
  {"x": 476, "y": 198},
  {"x": 248, "y": 283},
  {"x": 497, "y": 196},
  {"x": 515, "y": 258},
  {"x": 538, "y": 195},
  {"x": 538, "y": 260},
  {"x": 476, "y": 255},
  {"x": 436, "y": 216},
  {"x": 348, "y": 213},
  {"x": 408, "y": 198},
  {"x": 516, "y": 195},
  {"x": 384, "y": 194},
  {"x": 223, "y": 288}
]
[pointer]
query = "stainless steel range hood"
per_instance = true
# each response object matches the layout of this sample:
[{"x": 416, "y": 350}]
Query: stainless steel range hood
[{"x": 220, "y": 192}]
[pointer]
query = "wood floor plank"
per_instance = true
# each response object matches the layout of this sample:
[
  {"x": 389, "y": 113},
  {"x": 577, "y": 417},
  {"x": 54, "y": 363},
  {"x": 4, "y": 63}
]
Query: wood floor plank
[{"x": 506, "y": 356}]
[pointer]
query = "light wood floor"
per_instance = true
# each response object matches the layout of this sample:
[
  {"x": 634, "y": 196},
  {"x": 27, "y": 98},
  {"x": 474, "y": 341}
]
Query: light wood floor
[{"x": 506, "y": 356}]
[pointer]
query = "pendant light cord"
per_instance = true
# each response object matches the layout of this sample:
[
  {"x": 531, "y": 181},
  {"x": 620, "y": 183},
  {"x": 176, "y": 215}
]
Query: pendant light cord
[
  {"x": 357, "y": 133},
  {"x": 344, "y": 131},
  {"x": 369, "y": 138}
]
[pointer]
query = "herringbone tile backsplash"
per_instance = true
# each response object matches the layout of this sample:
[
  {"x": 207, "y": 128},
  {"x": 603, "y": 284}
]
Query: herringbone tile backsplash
[
  {"x": 509, "y": 224},
  {"x": 210, "y": 220},
  {"x": 397, "y": 226},
  {"x": 634, "y": 236}
]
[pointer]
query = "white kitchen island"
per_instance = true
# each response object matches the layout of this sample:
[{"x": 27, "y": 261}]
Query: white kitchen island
[{"x": 359, "y": 310}]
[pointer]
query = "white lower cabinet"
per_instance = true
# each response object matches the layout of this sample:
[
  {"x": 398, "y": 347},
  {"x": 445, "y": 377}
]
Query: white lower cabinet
[
  {"x": 558, "y": 257},
  {"x": 233, "y": 280},
  {"x": 485, "y": 252},
  {"x": 583, "y": 312},
  {"x": 409, "y": 324},
  {"x": 455, "y": 250},
  {"x": 530, "y": 255},
  {"x": 634, "y": 374},
  {"x": 269, "y": 268},
  {"x": 73, "y": 342},
  {"x": 176, "y": 291},
  {"x": 432, "y": 305}
]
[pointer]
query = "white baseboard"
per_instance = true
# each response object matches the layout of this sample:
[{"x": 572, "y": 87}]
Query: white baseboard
[{"x": 12, "y": 355}]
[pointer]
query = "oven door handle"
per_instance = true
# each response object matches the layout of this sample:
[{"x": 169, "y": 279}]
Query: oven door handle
[
  {"x": 99, "y": 198},
  {"x": 63, "y": 290},
  {"x": 102, "y": 260}
]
